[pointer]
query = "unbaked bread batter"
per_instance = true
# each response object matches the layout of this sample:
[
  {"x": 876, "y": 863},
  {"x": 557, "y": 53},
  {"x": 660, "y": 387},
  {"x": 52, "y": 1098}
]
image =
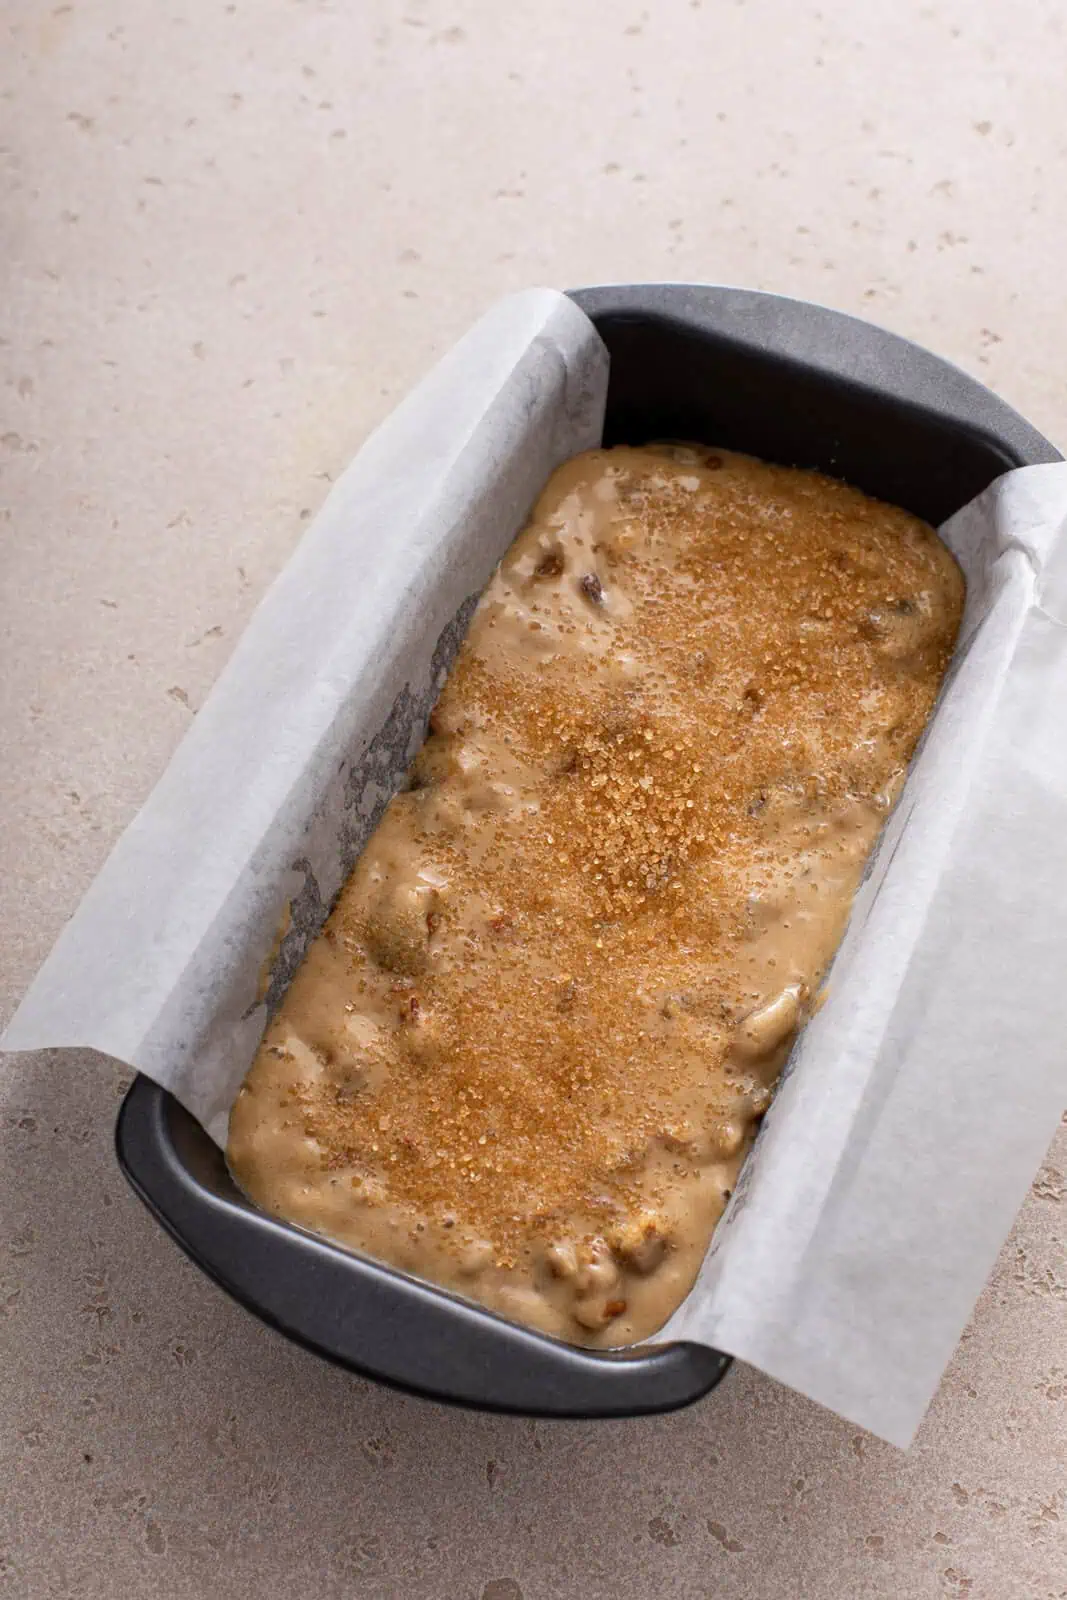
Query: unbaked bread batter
[{"x": 530, "y": 1049}]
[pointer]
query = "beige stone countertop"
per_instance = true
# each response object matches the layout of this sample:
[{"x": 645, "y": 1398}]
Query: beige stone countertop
[{"x": 233, "y": 235}]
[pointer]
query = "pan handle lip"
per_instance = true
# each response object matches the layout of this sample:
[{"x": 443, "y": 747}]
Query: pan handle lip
[
  {"x": 381, "y": 1323},
  {"x": 836, "y": 344}
]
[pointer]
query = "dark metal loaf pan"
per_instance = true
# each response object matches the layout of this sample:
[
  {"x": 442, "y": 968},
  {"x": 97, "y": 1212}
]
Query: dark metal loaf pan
[{"x": 777, "y": 378}]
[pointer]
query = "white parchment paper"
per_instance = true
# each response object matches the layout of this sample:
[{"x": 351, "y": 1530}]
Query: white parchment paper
[
  {"x": 920, "y": 1100},
  {"x": 172, "y": 961}
]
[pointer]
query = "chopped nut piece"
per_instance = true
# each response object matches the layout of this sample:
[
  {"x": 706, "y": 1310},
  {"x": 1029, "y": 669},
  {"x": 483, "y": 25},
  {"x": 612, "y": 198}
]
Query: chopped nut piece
[
  {"x": 562, "y": 1259},
  {"x": 641, "y": 1242},
  {"x": 766, "y": 1030},
  {"x": 598, "y": 1270},
  {"x": 595, "y": 1311}
]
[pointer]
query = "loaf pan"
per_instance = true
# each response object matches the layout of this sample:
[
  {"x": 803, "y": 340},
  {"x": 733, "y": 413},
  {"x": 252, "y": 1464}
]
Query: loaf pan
[{"x": 777, "y": 378}]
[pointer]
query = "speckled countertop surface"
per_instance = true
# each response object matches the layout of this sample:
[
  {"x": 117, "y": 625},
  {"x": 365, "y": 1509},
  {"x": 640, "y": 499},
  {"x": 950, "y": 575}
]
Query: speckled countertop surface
[{"x": 234, "y": 234}]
